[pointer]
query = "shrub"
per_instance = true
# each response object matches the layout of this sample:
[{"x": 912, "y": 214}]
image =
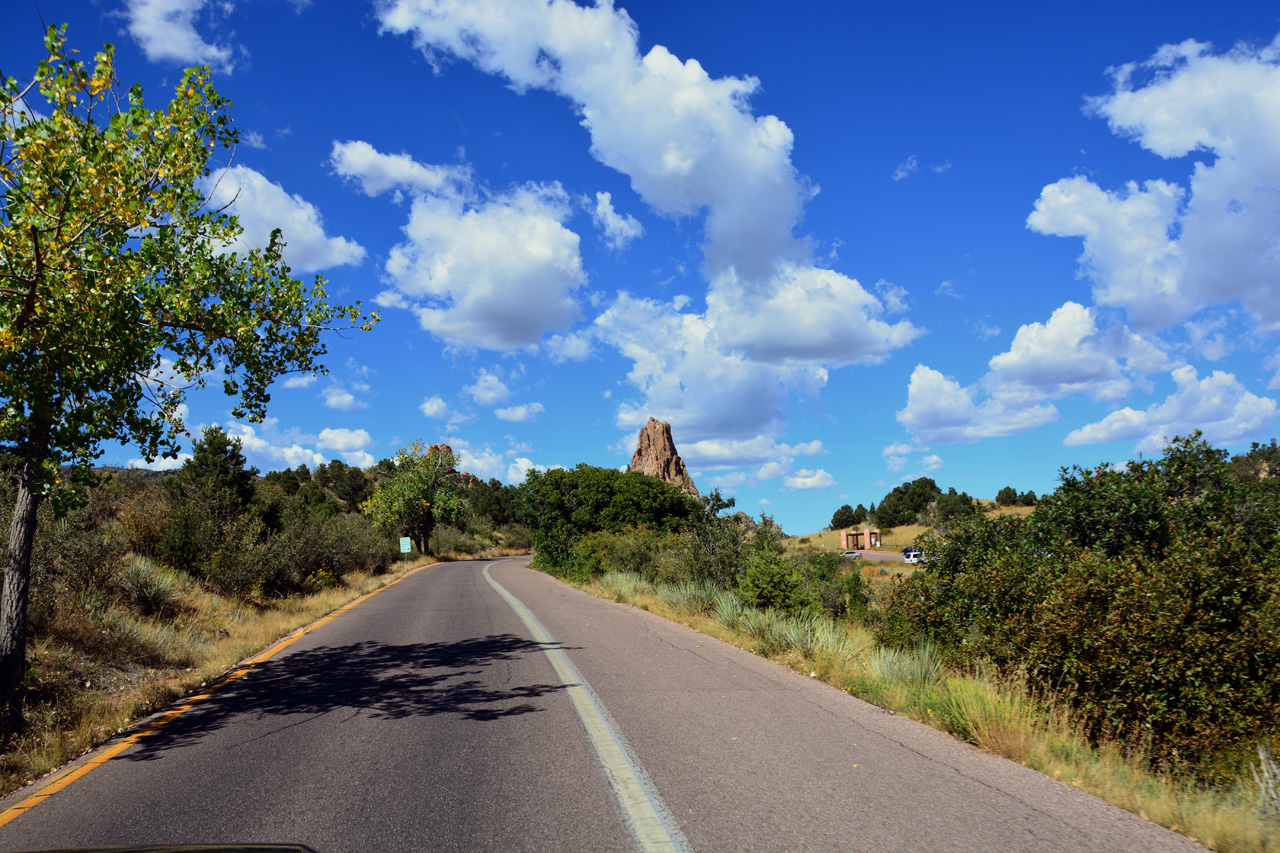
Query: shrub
[
  {"x": 515, "y": 536},
  {"x": 144, "y": 517},
  {"x": 446, "y": 539},
  {"x": 772, "y": 582},
  {"x": 1147, "y": 597},
  {"x": 150, "y": 590}
]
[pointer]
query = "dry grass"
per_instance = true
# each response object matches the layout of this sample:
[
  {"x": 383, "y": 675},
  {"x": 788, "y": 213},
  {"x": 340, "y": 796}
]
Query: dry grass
[
  {"x": 829, "y": 540},
  {"x": 895, "y": 539},
  {"x": 84, "y": 694}
]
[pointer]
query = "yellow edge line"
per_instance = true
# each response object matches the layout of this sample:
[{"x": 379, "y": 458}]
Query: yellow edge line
[
  {"x": 102, "y": 756},
  {"x": 651, "y": 831}
]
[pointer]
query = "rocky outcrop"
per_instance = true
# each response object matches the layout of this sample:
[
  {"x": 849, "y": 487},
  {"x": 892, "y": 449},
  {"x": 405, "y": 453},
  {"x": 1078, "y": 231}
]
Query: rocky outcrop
[
  {"x": 464, "y": 478},
  {"x": 656, "y": 456}
]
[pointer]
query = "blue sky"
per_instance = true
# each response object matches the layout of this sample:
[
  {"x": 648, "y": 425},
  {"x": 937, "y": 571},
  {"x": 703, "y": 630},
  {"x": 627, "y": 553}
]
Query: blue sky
[{"x": 836, "y": 245}]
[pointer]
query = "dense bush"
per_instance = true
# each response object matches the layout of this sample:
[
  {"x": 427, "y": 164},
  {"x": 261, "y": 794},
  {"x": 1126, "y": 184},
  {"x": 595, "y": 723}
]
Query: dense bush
[
  {"x": 562, "y": 506},
  {"x": 905, "y": 502},
  {"x": 771, "y": 581},
  {"x": 1148, "y": 596}
]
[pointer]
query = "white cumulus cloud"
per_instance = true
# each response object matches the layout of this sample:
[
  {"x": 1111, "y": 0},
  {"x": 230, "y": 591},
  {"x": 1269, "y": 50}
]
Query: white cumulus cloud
[
  {"x": 263, "y": 206},
  {"x": 343, "y": 440},
  {"x": 488, "y": 388},
  {"x": 1218, "y": 405},
  {"x": 520, "y": 414},
  {"x": 166, "y": 31},
  {"x": 377, "y": 173},
  {"x": 1162, "y": 250},
  {"x": 618, "y": 230},
  {"x": 806, "y": 479},
  {"x": 497, "y": 274}
]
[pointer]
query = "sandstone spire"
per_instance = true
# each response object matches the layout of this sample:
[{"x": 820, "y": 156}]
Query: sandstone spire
[{"x": 656, "y": 456}]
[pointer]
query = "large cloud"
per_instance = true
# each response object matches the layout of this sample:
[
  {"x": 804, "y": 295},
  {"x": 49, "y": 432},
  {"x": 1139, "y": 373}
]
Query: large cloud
[
  {"x": 495, "y": 272},
  {"x": 1070, "y": 355},
  {"x": 691, "y": 147},
  {"x": 1218, "y": 405},
  {"x": 688, "y": 142},
  {"x": 1064, "y": 356},
  {"x": 940, "y": 410},
  {"x": 263, "y": 206},
  {"x": 687, "y": 378},
  {"x": 1160, "y": 250}
]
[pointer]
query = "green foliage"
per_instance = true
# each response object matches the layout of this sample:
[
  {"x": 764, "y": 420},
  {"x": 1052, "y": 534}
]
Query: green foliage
[
  {"x": 1262, "y": 461},
  {"x": 952, "y": 505},
  {"x": 1147, "y": 596},
  {"x": 216, "y": 465},
  {"x": 498, "y": 503},
  {"x": 109, "y": 255},
  {"x": 860, "y": 514},
  {"x": 515, "y": 536},
  {"x": 353, "y": 487},
  {"x": 561, "y": 506},
  {"x": 843, "y": 518},
  {"x": 447, "y": 539},
  {"x": 633, "y": 551},
  {"x": 313, "y": 549},
  {"x": 152, "y": 591},
  {"x": 1008, "y": 496},
  {"x": 712, "y": 543},
  {"x": 905, "y": 502},
  {"x": 422, "y": 493},
  {"x": 773, "y": 582}
]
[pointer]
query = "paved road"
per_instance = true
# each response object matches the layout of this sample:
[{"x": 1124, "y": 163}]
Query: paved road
[{"x": 431, "y": 718}]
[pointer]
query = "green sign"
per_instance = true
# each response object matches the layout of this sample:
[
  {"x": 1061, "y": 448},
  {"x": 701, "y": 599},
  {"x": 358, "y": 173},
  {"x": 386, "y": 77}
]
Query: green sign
[{"x": 405, "y": 545}]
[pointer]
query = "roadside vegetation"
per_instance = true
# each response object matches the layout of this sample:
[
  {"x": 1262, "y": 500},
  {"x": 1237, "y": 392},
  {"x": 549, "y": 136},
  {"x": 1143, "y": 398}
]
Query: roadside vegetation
[
  {"x": 157, "y": 583},
  {"x": 1123, "y": 637}
]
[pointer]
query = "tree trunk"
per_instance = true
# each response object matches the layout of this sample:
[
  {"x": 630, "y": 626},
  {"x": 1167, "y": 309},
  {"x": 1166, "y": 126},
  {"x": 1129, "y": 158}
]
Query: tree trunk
[{"x": 13, "y": 605}]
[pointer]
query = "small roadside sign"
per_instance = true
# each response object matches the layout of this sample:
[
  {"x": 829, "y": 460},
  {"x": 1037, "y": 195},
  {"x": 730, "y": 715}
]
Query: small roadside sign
[{"x": 405, "y": 545}]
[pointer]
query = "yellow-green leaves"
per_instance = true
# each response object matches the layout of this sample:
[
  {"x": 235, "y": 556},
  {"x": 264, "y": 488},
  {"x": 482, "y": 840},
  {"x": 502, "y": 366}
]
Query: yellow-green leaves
[{"x": 108, "y": 259}]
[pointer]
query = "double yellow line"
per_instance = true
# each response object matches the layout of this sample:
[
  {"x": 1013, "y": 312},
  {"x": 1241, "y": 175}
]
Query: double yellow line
[{"x": 101, "y": 757}]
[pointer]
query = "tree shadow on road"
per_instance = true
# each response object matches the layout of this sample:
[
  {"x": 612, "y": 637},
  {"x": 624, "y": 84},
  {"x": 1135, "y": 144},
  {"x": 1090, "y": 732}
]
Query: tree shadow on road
[{"x": 376, "y": 679}]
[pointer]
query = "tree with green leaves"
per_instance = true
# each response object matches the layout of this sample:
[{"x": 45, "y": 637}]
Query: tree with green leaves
[
  {"x": 118, "y": 292},
  {"x": 424, "y": 491},
  {"x": 843, "y": 518},
  {"x": 561, "y": 506}
]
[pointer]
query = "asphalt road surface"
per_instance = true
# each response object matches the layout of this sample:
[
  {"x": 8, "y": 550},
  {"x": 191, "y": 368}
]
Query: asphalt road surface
[{"x": 438, "y": 716}]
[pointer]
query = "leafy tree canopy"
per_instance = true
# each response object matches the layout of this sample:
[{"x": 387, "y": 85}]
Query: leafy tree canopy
[
  {"x": 117, "y": 294},
  {"x": 422, "y": 492},
  {"x": 901, "y": 505},
  {"x": 563, "y": 505},
  {"x": 844, "y": 517}
]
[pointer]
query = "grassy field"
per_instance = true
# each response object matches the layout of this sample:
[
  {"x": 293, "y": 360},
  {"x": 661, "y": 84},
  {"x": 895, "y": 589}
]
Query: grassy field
[{"x": 891, "y": 540}]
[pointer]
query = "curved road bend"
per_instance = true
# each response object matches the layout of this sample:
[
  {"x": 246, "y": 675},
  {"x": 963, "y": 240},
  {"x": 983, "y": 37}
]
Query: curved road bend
[{"x": 430, "y": 718}]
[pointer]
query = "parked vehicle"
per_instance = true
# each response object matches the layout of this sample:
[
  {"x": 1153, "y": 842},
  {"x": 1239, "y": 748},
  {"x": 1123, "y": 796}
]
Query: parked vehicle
[
  {"x": 853, "y": 555},
  {"x": 910, "y": 551}
]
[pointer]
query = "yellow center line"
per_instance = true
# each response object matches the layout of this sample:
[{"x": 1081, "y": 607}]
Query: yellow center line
[
  {"x": 649, "y": 819},
  {"x": 105, "y": 754}
]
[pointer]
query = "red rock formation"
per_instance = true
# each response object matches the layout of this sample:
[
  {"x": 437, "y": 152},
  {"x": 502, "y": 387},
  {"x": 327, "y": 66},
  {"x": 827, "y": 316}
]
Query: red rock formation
[{"x": 656, "y": 456}]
